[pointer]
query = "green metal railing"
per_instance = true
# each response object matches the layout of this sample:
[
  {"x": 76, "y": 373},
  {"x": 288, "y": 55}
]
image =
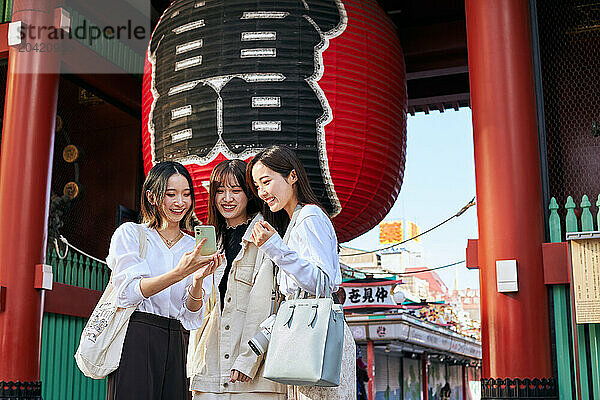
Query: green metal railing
[
  {"x": 61, "y": 379},
  {"x": 588, "y": 335},
  {"x": 78, "y": 270}
]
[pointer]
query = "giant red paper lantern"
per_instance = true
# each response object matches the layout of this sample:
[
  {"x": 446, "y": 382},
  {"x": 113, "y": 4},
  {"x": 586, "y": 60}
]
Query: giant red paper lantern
[{"x": 225, "y": 79}]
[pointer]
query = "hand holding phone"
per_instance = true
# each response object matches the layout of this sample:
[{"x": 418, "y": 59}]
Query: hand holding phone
[
  {"x": 206, "y": 232},
  {"x": 203, "y": 260}
]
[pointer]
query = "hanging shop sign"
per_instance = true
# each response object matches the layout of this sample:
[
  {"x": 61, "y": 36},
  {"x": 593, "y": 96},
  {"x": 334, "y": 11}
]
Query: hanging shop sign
[
  {"x": 466, "y": 348},
  {"x": 370, "y": 295},
  {"x": 428, "y": 338},
  {"x": 389, "y": 331},
  {"x": 224, "y": 80}
]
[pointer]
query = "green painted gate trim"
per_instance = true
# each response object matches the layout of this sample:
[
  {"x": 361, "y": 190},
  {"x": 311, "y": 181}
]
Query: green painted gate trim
[
  {"x": 114, "y": 50},
  {"x": 6, "y": 10},
  {"x": 61, "y": 379},
  {"x": 588, "y": 336}
]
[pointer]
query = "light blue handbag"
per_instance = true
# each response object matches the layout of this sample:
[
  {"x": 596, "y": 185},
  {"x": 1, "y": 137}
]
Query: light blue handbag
[{"x": 307, "y": 341}]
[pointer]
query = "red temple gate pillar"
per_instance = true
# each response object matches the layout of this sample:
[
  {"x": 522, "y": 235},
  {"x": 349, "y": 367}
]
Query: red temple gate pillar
[
  {"x": 515, "y": 326},
  {"x": 25, "y": 174}
]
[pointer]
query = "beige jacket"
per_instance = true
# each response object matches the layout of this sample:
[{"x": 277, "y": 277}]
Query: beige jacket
[{"x": 247, "y": 304}]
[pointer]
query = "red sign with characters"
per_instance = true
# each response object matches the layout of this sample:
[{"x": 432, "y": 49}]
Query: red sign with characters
[{"x": 325, "y": 77}]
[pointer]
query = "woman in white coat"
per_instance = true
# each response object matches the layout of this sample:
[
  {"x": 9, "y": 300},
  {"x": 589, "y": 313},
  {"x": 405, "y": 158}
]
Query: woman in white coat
[
  {"x": 279, "y": 179},
  {"x": 222, "y": 365}
]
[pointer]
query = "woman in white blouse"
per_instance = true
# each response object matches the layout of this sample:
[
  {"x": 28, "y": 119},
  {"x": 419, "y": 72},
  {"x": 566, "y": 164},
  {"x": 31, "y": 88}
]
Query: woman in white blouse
[
  {"x": 281, "y": 182},
  {"x": 167, "y": 286}
]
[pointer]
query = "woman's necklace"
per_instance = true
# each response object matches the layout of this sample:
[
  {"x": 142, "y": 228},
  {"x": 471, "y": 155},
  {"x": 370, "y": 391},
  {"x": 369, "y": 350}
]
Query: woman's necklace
[{"x": 170, "y": 242}]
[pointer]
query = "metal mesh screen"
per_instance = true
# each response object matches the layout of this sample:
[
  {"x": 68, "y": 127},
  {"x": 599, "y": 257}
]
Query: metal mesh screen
[
  {"x": 103, "y": 169},
  {"x": 569, "y": 36}
]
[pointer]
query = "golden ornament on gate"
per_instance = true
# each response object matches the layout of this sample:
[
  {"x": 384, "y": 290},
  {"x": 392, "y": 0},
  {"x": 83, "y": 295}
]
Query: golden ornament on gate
[
  {"x": 71, "y": 190},
  {"x": 70, "y": 153}
]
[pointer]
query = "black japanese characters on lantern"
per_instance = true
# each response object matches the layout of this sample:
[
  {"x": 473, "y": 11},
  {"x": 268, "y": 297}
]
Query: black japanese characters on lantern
[{"x": 235, "y": 77}]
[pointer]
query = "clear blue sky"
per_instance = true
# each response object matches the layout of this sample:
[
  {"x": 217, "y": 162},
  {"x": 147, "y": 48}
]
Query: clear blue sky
[{"x": 439, "y": 179}]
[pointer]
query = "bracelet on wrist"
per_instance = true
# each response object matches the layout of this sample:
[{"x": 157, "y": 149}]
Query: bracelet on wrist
[{"x": 192, "y": 296}]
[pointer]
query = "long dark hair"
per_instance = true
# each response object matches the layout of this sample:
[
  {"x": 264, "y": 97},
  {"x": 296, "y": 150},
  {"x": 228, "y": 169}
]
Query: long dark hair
[
  {"x": 283, "y": 160},
  {"x": 220, "y": 175},
  {"x": 156, "y": 184}
]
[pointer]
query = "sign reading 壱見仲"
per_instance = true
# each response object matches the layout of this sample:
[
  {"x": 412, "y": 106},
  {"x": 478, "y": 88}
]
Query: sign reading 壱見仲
[{"x": 369, "y": 296}]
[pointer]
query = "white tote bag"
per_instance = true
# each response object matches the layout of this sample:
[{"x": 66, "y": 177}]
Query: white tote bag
[
  {"x": 307, "y": 342},
  {"x": 102, "y": 338}
]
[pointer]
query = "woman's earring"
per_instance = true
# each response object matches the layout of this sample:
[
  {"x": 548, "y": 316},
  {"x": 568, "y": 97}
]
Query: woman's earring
[
  {"x": 293, "y": 177},
  {"x": 151, "y": 198}
]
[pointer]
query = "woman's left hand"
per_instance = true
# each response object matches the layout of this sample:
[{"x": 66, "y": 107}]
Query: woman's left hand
[
  {"x": 262, "y": 232},
  {"x": 215, "y": 261},
  {"x": 238, "y": 376}
]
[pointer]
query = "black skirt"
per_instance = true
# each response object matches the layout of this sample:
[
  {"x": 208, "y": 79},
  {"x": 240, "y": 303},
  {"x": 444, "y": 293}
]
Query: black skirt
[{"x": 152, "y": 363}]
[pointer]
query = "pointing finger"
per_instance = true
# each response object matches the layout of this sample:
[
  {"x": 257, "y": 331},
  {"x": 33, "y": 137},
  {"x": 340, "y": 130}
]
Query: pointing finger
[
  {"x": 200, "y": 244},
  {"x": 267, "y": 228},
  {"x": 265, "y": 224}
]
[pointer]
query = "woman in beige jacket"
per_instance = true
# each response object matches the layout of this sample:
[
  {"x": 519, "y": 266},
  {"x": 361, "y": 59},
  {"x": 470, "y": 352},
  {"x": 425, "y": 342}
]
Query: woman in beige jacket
[{"x": 220, "y": 362}]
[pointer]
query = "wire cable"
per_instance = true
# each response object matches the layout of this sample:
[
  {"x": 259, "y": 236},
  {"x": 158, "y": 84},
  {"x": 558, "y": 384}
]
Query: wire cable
[
  {"x": 431, "y": 269},
  {"x": 350, "y": 269},
  {"x": 458, "y": 214}
]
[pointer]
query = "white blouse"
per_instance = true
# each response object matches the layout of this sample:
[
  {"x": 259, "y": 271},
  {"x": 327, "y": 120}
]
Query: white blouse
[
  {"x": 312, "y": 244},
  {"x": 129, "y": 269}
]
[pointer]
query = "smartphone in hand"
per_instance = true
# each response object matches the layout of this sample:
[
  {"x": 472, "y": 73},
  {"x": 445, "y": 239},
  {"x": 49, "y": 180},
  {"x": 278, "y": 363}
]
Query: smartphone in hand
[{"x": 208, "y": 232}]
